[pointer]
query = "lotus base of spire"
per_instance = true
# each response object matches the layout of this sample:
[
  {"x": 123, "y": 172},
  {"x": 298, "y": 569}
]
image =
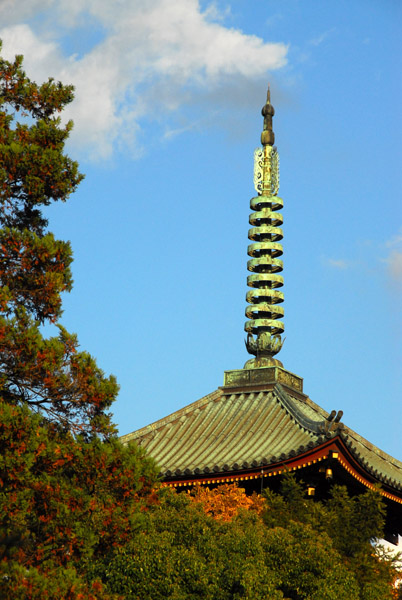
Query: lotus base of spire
[
  {"x": 264, "y": 347},
  {"x": 262, "y": 361}
]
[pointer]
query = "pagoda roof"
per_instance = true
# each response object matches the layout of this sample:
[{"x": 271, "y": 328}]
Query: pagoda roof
[{"x": 241, "y": 429}]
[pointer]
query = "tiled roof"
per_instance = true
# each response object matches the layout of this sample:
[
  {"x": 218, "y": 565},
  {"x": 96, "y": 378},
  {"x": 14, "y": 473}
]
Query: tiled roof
[
  {"x": 377, "y": 463},
  {"x": 231, "y": 430}
]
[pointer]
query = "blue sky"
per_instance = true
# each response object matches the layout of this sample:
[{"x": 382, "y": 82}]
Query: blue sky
[{"x": 167, "y": 116}]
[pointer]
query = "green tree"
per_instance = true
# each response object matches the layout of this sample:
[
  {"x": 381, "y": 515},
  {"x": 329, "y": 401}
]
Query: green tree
[
  {"x": 201, "y": 547},
  {"x": 69, "y": 491},
  {"x": 63, "y": 503},
  {"x": 49, "y": 375},
  {"x": 182, "y": 552},
  {"x": 351, "y": 525}
]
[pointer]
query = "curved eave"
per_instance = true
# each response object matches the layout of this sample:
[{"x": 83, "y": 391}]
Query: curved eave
[
  {"x": 285, "y": 464},
  {"x": 370, "y": 460},
  {"x": 325, "y": 454}
]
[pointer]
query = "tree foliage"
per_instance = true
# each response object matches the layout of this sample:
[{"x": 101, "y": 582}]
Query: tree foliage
[
  {"x": 68, "y": 490},
  {"x": 353, "y": 524},
  {"x": 34, "y": 171},
  {"x": 49, "y": 375},
  {"x": 225, "y": 501},
  {"x": 64, "y": 503},
  {"x": 282, "y": 546}
]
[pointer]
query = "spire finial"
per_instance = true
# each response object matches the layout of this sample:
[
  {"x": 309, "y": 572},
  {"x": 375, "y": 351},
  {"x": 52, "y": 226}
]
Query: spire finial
[
  {"x": 265, "y": 297},
  {"x": 268, "y": 111}
]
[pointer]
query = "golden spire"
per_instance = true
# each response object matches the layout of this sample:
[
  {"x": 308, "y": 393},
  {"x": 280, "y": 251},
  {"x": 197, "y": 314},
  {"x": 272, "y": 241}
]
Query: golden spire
[{"x": 264, "y": 298}]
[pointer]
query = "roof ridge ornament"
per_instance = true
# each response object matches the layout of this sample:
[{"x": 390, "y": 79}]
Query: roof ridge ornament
[{"x": 264, "y": 298}]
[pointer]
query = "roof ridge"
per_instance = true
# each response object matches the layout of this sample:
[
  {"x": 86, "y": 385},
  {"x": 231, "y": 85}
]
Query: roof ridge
[{"x": 304, "y": 421}]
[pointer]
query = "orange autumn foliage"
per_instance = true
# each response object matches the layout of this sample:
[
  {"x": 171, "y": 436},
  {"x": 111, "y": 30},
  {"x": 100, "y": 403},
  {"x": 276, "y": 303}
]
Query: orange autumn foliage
[{"x": 224, "y": 502}]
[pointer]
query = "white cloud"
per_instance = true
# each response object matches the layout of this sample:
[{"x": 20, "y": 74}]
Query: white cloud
[
  {"x": 16, "y": 11},
  {"x": 42, "y": 57},
  {"x": 396, "y": 240},
  {"x": 143, "y": 46},
  {"x": 317, "y": 41},
  {"x": 394, "y": 266},
  {"x": 393, "y": 261},
  {"x": 337, "y": 263}
]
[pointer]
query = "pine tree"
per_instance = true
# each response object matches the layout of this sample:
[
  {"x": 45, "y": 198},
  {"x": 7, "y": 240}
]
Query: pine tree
[
  {"x": 69, "y": 491},
  {"x": 49, "y": 375}
]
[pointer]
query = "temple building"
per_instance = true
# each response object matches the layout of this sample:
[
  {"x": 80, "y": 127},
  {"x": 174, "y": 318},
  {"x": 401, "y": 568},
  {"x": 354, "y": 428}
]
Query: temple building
[{"x": 260, "y": 422}]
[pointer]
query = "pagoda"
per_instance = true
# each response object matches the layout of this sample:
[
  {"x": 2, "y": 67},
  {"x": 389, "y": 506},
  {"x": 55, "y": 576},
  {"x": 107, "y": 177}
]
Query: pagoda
[{"x": 260, "y": 423}]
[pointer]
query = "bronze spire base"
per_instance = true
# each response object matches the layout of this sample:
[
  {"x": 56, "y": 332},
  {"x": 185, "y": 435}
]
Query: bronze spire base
[{"x": 264, "y": 375}]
